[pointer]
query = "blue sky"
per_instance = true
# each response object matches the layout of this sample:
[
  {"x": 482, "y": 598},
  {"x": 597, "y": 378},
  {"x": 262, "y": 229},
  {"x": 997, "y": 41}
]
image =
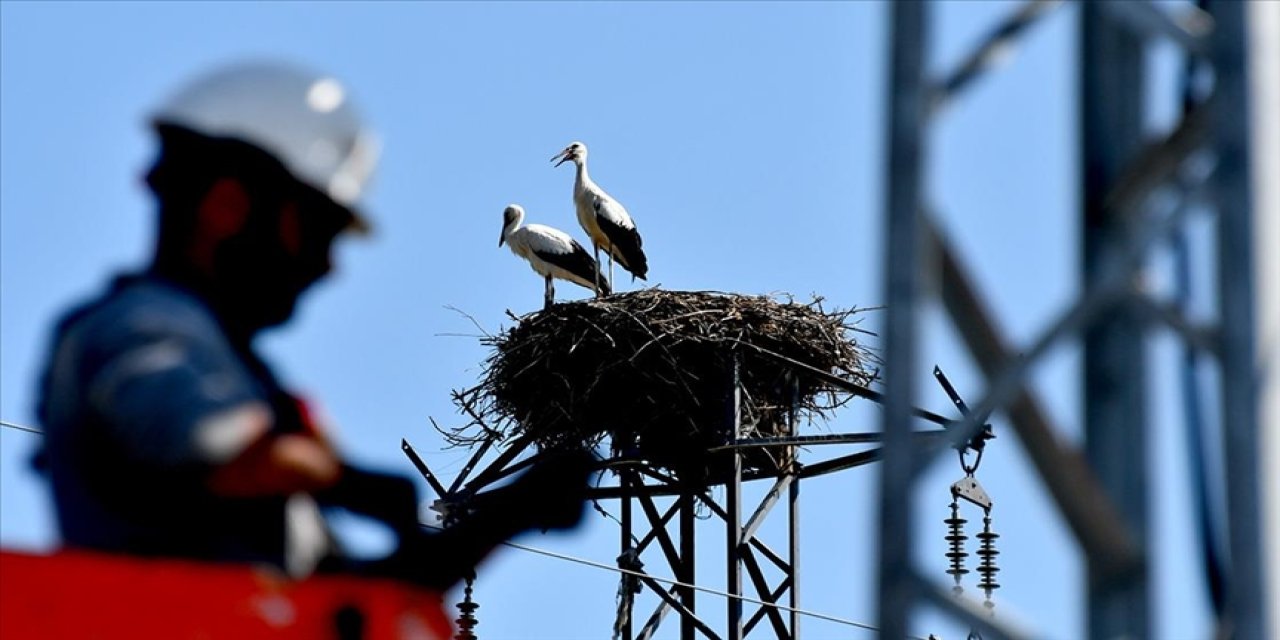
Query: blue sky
[{"x": 745, "y": 139}]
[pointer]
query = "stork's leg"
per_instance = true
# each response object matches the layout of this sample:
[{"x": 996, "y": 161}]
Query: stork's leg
[
  {"x": 596, "y": 246},
  {"x": 610, "y": 263},
  {"x": 550, "y": 294}
]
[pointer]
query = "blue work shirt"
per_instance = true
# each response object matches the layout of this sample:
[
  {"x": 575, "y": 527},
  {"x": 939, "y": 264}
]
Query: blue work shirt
[{"x": 130, "y": 378}]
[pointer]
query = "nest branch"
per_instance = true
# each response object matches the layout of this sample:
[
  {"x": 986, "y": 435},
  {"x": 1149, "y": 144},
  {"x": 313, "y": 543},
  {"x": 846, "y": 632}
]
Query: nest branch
[{"x": 651, "y": 369}]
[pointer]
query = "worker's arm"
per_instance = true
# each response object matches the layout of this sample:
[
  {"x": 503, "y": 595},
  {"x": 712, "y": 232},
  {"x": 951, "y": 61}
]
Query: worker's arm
[
  {"x": 270, "y": 464},
  {"x": 169, "y": 389}
]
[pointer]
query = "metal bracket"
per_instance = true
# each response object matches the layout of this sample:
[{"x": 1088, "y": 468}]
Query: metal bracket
[{"x": 969, "y": 489}]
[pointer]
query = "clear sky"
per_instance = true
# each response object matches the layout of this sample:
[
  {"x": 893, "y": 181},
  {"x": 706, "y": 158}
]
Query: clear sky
[{"x": 745, "y": 139}]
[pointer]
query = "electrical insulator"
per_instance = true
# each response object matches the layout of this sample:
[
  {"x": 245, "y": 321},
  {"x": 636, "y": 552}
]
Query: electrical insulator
[
  {"x": 987, "y": 565},
  {"x": 955, "y": 540},
  {"x": 467, "y": 621}
]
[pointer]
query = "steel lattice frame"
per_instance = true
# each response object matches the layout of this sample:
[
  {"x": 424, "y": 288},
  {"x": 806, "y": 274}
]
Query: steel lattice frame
[
  {"x": 1112, "y": 316},
  {"x": 651, "y": 503}
]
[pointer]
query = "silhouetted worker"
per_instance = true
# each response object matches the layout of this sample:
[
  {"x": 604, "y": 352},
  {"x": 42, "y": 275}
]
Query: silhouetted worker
[{"x": 167, "y": 434}]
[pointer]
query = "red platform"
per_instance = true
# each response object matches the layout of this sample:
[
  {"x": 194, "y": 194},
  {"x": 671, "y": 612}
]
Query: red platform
[{"x": 74, "y": 594}]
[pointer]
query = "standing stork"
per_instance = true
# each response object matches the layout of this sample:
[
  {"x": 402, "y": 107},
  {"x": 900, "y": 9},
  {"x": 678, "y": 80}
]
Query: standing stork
[
  {"x": 550, "y": 252},
  {"x": 603, "y": 218}
]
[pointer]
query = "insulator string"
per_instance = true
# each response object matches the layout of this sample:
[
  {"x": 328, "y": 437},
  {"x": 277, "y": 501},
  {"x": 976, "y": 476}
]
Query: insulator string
[
  {"x": 956, "y": 539},
  {"x": 987, "y": 553}
]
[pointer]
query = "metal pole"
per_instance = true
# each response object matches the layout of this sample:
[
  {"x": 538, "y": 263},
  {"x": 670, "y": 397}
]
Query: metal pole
[
  {"x": 625, "y": 481},
  {"x": 688, "y": 621},
  {"x": 1240, "y": 376},
  {"x": 793, "y": 522},
  {"x": 793, "y": 516},
  {"x": 1111, "y": 101},
  {"x": 902, "y": 293},
  {"x": 733, "y": 507},
  {"x": 1263, "y": 38}
]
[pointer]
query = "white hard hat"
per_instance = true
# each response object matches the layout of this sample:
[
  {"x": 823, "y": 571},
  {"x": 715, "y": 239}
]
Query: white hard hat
[{"x": 304, "y": 119}]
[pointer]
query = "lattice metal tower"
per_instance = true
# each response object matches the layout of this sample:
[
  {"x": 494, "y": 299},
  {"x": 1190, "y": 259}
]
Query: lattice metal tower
[
  {"x": 762, "y": 576},
  {"x": 1203, "y": 165}
]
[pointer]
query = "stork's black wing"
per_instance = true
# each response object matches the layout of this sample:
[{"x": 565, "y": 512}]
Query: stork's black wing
[
  {"x": 625, "y": 240},
  {"x": 579, "y": 263}
]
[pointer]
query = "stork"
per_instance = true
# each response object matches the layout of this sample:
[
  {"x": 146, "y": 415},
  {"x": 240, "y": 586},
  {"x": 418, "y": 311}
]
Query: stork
[
  {"x": 603, "y": 218},
  {"x": 551, "y": 253}
]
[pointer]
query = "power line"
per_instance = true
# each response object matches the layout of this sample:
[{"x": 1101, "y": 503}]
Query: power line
[
  {"x": 19, "y": 427},
  {"x": 677, "y": 583}
]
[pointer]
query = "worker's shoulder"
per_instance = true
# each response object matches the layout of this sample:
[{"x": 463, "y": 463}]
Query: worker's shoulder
[{"x": 139, "y": 309}]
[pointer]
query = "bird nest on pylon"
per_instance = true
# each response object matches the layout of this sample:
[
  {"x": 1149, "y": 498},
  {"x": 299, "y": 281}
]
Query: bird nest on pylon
[{"x": 653, "y": 371}]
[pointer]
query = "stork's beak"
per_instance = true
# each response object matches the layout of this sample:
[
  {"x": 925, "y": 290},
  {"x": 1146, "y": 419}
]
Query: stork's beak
[{"x": 562, "y": 156}]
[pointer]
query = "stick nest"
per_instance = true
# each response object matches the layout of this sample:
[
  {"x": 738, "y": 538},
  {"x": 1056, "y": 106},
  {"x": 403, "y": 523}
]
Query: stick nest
[{"x": 653, "y": 370}]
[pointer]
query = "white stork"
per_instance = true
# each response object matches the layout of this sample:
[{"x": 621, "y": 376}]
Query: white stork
[
  {"x": 551, "y": 252},
  {"x": 603, "y": 218}
]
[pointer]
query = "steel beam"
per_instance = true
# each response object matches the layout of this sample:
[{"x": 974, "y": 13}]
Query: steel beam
[
  {"x": 686, "y": 572},
  {"x": 793, "y": 539},
  {"x": 1115, "y": 355},
  {"x": 756, "y": 543},
  {"x": 733, "y": 505},
  {"x": 1239, "y": 350},
  {"x": 689, "y": 620},
  {"x": 903, "y": 289},
  {"x": 766, "y": 505},
  {"x": 988, "y": 53},
  {"x": 625, "y": 526},
  {"x": 1262, "y": 20},
  {"x": 767, "y": 595}
]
